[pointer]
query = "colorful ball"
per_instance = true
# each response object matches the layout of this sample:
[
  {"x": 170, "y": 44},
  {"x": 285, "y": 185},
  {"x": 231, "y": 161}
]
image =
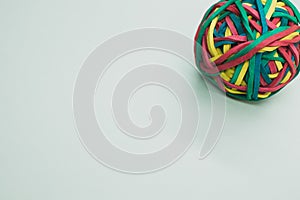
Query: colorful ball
[{"x": 249, "y": 48}]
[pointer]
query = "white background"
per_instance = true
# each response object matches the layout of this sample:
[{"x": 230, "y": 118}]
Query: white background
[{"x": 42, "y": 47}]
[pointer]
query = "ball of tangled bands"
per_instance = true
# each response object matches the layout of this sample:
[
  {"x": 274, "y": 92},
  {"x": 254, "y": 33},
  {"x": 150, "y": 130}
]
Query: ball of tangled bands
[{"x": 249, "y": 48}]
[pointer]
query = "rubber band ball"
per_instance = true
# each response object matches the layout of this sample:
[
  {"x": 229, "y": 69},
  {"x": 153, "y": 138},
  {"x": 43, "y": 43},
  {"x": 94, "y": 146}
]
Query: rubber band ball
[{"x": 249, "y": 48}]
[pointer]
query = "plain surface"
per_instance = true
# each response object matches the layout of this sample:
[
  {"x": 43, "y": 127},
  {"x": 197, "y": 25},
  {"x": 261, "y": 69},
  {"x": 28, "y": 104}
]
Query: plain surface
[{"x": 43, "y": 44}]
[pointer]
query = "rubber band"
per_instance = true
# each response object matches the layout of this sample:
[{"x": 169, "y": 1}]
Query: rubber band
[{"x": 249, "y": 48}]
